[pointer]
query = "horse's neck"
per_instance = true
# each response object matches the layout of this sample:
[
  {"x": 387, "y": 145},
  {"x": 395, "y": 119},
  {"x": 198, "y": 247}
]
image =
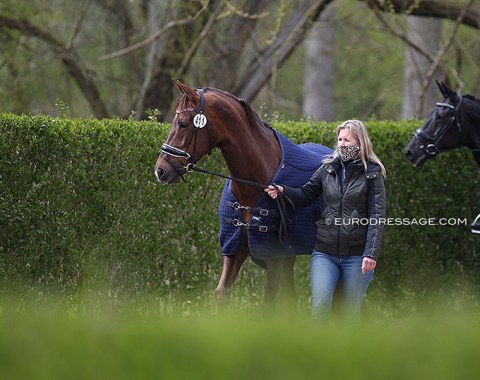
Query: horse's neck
[
  {"x": 255, "y": 157},
  {"x": 475, "y": 139},
  {"x": 476, "y": 155},
  {"x": 473, "y": 135}
]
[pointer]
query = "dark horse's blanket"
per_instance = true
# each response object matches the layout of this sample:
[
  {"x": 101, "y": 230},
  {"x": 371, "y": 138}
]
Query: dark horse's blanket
[{"x": 298, "y": 164}]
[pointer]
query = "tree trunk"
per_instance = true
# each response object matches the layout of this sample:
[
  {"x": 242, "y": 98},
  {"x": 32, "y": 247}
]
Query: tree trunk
[
  {"x": 426, "y": 33},
  {"x": 318, "y": 86}
]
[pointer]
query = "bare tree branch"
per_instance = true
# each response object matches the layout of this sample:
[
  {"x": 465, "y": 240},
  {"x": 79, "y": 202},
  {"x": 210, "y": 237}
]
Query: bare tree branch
[
  {"x": 82, "y": 76},
  {"x": 402, "y": 36},
  {"x": 194, "y": 46},
  {"x": 157, "y": 35},
  {"x": 444, "y": 48},
  {"x": 435, "y": 60},
  {"x": 238, "y": 34},
  {"x": 450, "y": 10},
  {"x": 242, "y": 13},
  {"x": 79, "y": 21},
  {"x": 288, "y": 38}
]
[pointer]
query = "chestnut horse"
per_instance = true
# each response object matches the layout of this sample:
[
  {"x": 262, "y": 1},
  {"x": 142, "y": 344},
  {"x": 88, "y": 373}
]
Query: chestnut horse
[{"x": 210, "y": 118}]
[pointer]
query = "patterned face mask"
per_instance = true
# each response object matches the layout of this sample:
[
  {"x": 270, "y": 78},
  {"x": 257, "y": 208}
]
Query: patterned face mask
[{"x": 348, "y": 152}]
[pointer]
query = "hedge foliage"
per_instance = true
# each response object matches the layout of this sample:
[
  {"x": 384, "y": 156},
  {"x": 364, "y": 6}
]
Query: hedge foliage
[{"x": 80, "y": 208}]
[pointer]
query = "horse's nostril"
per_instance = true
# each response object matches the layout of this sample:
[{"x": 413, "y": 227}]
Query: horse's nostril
[
  {"x": 408, "y": 153},
  {"x": 159, "y": 173}
]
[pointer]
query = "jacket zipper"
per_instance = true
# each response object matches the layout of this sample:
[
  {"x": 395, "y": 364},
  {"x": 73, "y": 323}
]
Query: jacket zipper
[
  {"x": 343, "y": 186},
  {"x": 341, "y": 211}
]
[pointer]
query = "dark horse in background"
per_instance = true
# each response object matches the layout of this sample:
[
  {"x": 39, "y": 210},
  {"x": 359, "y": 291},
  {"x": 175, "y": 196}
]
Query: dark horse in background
[
  {"x": 454, "y": 122},
  {"x": 255, "y": 154}
]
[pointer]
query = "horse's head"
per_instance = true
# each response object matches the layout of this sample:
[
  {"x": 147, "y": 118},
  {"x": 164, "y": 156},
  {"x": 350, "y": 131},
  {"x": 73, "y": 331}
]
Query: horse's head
[
  {"x": 440, "y": 132},
  {"x": 189, "y": 138}
]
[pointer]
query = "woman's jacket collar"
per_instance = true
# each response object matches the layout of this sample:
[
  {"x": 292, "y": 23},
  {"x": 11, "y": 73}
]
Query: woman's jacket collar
[{"x": 336, "y": 165}]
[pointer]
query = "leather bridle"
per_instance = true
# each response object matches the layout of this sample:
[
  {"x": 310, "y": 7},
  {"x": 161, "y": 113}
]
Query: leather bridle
[
  {"x": 199, "y": 122},
  {"x": 429, "y": 145}
]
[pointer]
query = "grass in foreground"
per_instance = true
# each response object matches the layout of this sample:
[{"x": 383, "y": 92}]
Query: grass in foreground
[{"x": 55, "y": 341}]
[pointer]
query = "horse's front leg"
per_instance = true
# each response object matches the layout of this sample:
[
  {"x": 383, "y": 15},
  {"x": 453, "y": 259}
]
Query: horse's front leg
[{"x": 230, "y": 269}]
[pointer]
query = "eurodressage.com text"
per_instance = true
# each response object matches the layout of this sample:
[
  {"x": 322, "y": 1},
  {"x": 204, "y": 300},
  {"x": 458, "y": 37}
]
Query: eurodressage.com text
[{"x": 398, "y": 221}]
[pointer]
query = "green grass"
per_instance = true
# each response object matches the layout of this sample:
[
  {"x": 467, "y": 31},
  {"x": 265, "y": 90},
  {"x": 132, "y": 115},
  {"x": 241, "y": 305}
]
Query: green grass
[{"x": 95, "y": 339}]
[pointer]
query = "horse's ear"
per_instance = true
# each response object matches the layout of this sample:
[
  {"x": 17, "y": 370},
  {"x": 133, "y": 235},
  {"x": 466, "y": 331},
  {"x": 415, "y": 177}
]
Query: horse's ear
[
  {"x": 446, "y": 91},
  {"x": 184, "y": 89},
  {"x": 440, "y": 86},
  {"x": 177, "y": 84},
  {"x": 449, "y": 93}
]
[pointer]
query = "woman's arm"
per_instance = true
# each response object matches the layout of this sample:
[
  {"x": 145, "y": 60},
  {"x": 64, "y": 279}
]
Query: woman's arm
[
  {"x": 376, "y": 210},
  {"x": 302, "y": 196}
]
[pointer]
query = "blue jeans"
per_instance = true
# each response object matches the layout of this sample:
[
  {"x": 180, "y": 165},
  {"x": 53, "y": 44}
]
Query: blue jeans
[{"x": 328, "y": 270}]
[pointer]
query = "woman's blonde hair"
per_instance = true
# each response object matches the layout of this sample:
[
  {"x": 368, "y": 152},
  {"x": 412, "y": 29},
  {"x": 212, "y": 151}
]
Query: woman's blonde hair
[{"x": 359, "y": 131}]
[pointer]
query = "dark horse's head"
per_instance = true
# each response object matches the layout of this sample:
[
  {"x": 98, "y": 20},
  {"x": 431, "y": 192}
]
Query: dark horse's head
[
  {"x": 189, "y": 138},
  {"x": 452, "y": 123}
]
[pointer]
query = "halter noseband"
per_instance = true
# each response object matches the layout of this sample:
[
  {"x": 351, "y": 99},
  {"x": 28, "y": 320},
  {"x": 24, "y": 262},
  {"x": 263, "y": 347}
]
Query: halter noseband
[{"x": 429, "y": 144}]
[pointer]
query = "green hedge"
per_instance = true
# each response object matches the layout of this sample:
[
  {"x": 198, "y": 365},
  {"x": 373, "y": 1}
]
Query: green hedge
[{"x": 80, "y": 209}]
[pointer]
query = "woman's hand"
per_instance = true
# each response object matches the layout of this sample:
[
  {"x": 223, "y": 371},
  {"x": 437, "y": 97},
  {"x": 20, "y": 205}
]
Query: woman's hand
[
  {"x": 368, "y": 264},
  {"x": 272, "y": 191}
]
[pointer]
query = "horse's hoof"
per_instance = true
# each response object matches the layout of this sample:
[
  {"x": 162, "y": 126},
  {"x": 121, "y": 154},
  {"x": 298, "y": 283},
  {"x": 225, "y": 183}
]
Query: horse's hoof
[{"x": 222, "y": 296}]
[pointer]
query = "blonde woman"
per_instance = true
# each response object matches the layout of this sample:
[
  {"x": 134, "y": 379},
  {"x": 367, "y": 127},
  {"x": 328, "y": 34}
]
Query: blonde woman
[{"x": 349, "y": 232}]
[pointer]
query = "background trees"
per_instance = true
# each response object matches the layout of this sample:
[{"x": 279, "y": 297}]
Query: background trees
[{"x": 110, "y": 58}]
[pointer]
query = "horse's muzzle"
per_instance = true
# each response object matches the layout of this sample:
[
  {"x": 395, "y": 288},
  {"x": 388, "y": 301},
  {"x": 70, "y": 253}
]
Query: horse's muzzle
[
  {"x": 414, "y": 154},
  {"x": 166, "y": 176}
]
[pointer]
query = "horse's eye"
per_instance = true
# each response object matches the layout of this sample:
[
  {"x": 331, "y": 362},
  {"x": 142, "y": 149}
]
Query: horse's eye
[{"x": 183, "y": 125}]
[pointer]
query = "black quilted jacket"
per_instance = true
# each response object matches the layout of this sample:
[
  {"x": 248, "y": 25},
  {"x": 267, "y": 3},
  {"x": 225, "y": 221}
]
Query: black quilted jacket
[{"x": 354, "y": 209}]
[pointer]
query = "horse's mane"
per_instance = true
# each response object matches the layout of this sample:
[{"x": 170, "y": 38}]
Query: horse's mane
[
  {"x": 252, "y": 116},
  {"x": 473, "y": 98}
]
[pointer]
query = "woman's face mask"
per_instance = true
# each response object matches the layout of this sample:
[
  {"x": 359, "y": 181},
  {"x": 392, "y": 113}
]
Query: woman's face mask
[{"x": 348, "y": 152}]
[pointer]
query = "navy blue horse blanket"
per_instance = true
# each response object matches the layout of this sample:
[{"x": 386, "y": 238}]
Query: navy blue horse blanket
[{"x": 297, "y": 165}]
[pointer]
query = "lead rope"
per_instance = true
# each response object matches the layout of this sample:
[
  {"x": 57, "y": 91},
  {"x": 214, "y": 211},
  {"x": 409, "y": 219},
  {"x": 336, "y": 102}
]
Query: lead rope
[
  {"x": 284, "y": 228},
  {"x": 282, "y": 202}
]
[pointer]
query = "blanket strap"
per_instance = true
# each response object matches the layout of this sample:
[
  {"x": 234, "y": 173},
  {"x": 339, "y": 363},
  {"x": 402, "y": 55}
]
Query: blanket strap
[{"x": 253, "y": 210}]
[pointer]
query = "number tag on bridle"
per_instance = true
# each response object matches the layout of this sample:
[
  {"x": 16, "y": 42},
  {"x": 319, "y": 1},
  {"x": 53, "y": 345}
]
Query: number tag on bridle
[{"x": 200, "y": 120}]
